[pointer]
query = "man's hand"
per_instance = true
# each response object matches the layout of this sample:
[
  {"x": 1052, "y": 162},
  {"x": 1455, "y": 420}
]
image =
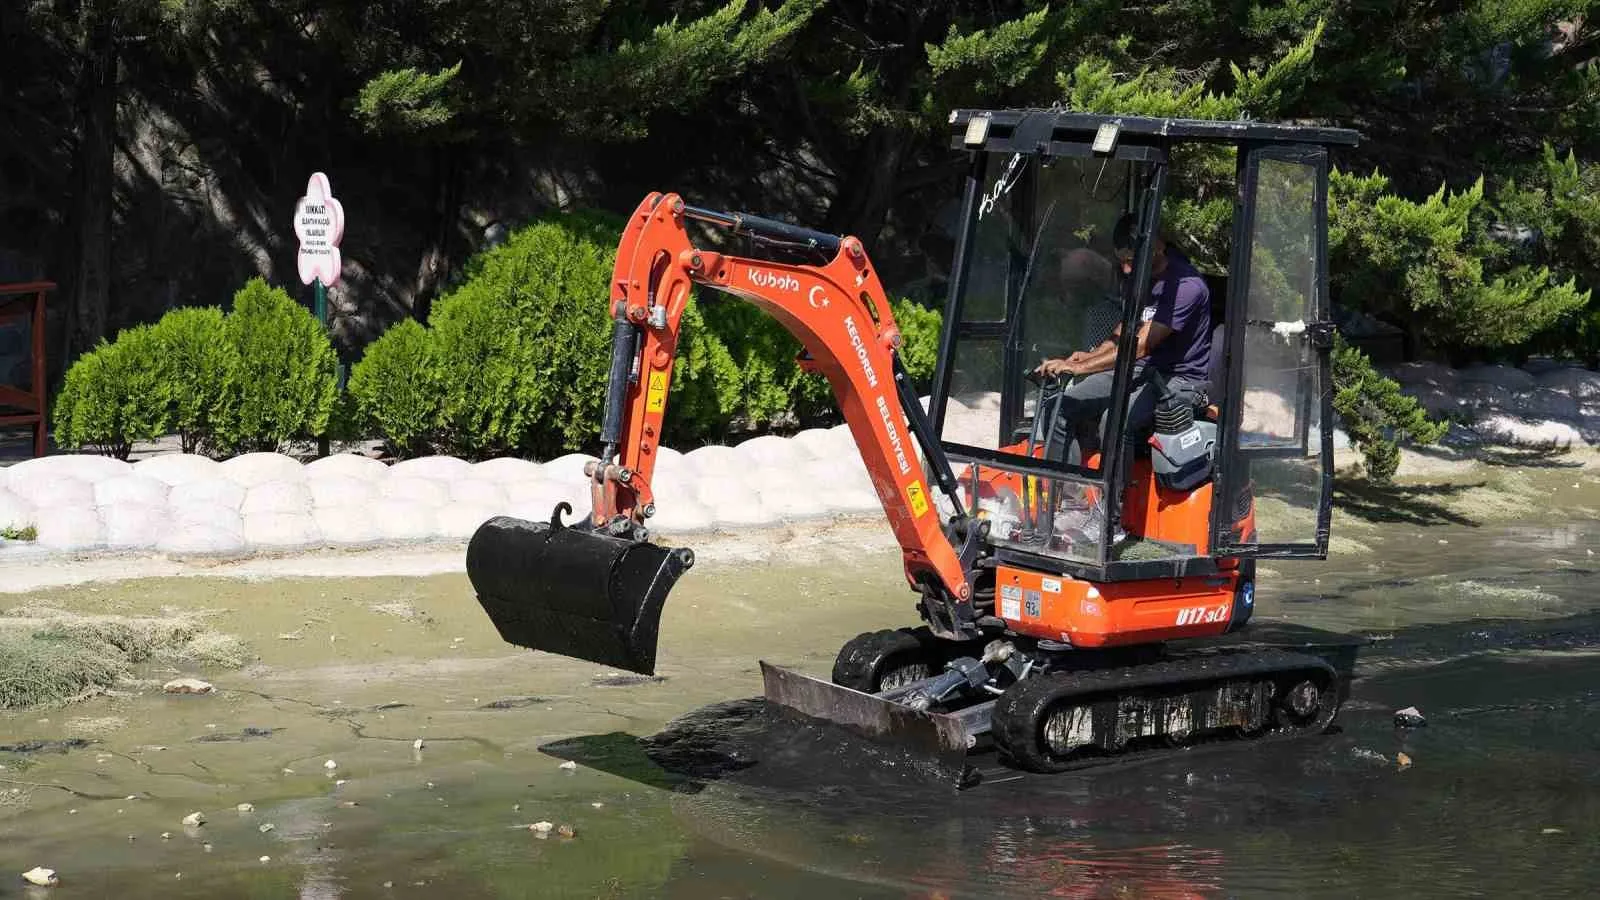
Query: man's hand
[{"x": 1068, "y": 366}]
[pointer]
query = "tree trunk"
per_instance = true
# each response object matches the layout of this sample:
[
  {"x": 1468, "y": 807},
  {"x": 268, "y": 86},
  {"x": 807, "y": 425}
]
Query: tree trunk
[
  {"x": 96, "y": 108},
  {"x": 434, "y": 269},
  {"x": 866, "y": 191}
]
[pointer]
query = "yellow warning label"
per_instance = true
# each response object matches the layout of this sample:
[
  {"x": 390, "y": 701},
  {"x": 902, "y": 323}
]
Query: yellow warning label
[
  {"x": 656, "y": 399},
  {"x": 918, "y": 499}
]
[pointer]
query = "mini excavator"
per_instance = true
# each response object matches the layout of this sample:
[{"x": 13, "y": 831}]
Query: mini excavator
[{"x": 1062, "y": 590}]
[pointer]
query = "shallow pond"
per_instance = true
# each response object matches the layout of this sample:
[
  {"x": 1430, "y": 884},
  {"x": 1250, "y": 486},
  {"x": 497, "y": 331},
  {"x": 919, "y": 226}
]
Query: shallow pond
[{"x": 1490, "y": 630}]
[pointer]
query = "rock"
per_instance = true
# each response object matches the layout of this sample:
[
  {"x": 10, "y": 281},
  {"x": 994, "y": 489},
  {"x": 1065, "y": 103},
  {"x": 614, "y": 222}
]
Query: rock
[
  {"x": 204, "y": 531},
  {"x": 173, "y": 469},
  {"x": 569, "y": 765},
  {"x": 86, "y": 467},
  {"x": 1410, "y": 717},
  {"x": 566, "y": 469},
  {"x": 438, "y": 468},
  {"x": 207, "y": 492},
  {"x": 330, "y": 765},
  {"x": 458, "y": 521},
  {"x": 681, "y": 515},
  {"x": 416, "y": 744},
  {"x": 130, "y": 489},
  {"x": 477, "y": 493},
  {"x": 1543, "y": 403},
  {"x": 505, "y": 470},
  {"x": 1525, "y": 433},
  {"x": 134, "y": 526},
  {"x": 277, "y": 497},
  {"x": 542, "y": 827},
  {"x": 187, "y": 686},
  {"x": 427, "y": 492},
  {"x": 347, "y": 465},
  {"x": 347, "y": 525},
  {"x": 246, "y": 808},
  {"x": 713, "y": 460},
  {"x": 771, "y": 451},
  {"x": 266, "y": 859},
  {"x": 265, "y": 827},
  {"x": 1402, "y": 760},
  {"x": 40, "y": 876},
  {"x": 252, "y": 469},
  {"x": 340, "y": 490},
  {"x": 70, "y": 528},
  {"x": 282, "y": 530},
  {"x": 50, "y": 491},
  {"x": 15, "y": 512},
  {"x": 166, "y": 835},
  {"x": 567, "y": 831},
  {"x": 824, "y": 443},
  {"x": 1505, "y": 376},
  {"x": 194, "y": 819}
]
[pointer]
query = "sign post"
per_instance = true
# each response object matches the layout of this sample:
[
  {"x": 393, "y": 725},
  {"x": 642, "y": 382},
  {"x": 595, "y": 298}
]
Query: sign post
[{"x": 319, "y": 224}]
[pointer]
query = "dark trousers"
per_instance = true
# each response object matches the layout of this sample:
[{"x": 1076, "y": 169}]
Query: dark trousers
[{"x": 1079, "y": 423}]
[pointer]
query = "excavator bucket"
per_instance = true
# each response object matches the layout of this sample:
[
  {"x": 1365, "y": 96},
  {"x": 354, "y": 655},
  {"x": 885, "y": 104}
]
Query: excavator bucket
[{"x": 573, "y": 591}]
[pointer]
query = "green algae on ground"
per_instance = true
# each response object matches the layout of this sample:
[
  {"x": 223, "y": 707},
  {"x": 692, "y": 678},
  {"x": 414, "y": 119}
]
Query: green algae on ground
[{"x": 52, "y": 656}]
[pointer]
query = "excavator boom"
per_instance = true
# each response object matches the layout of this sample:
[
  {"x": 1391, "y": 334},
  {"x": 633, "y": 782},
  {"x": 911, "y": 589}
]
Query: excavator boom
[{"x": 595, "y": 590}]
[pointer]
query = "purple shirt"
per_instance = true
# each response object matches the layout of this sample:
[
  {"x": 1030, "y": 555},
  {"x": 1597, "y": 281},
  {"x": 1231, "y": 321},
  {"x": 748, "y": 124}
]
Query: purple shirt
[{"x": 1181, "y": 300}]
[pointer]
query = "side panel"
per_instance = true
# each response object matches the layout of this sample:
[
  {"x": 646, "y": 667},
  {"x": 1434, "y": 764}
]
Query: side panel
[{"x": 1114, "y": 614}]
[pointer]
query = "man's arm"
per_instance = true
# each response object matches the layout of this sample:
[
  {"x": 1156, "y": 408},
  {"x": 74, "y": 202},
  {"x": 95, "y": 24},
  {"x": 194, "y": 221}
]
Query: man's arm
[{"x": 1104, "y": 357}]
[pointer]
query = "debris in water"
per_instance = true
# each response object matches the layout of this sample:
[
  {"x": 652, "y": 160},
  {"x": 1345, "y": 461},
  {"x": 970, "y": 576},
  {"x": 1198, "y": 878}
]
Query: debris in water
[
  {"x": 1403, "y": 760},
  {"x": 416, "y": 744},
  {"x": 347, "y": 804},
  {"x": 569, "y": 765},
  {"x": 1369, "y": 755},
  {"x": 193, "y": 819},
  {"x": 266, "y": 827},
  {"x": 542, "y": 827},
  {"x": 330, "y": 765},
  {"x": 1552, "y": 831},
  {"x": 626, "y": 679},
  {"x": 245, "y": 807},
  {"x": 41, "y": 876},
  {"x": 288, "y": 771},
  {"x": 340, "y": 783},
  {"x": 72, "y": 812},
  {"x": 597, "y": 804},
  {"x": 187, "y": 686},
  {"x": 206, "y": 846},
  {"x": 516, "y": 807},
  {"x": 166, "y": 835},
  {"x": 266, "y": 859},
  {"x": 567, "y": 831},
  {"x": 1410, "y": 717}
]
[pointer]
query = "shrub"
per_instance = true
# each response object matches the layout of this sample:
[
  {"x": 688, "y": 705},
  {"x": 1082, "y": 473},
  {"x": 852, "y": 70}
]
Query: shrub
[
  {"x": 1378, "y": 417},
  {"x": 394, "y": 389},
  {"x": 524, "y": 345},
  {"x": 281, "y": 384},
  {"x": 114, "y": 395},
  {"x": 706, "y": 382},
  {"x": 197, "y": 358}
]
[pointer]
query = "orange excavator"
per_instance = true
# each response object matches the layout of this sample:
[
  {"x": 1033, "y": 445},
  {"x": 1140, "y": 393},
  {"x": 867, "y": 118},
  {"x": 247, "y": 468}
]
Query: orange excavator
[{"x": 1066, "y": 569}]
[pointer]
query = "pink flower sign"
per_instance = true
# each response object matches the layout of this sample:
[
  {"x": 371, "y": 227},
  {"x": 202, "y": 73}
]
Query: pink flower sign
[{"x": 319, "y": 224}]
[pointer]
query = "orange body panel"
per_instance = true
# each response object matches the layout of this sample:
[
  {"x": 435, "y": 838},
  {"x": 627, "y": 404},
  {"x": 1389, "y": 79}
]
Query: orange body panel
[{"x": 1115, "y": 614}]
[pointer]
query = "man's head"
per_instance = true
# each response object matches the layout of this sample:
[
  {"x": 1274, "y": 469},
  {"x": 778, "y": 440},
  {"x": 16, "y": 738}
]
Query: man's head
[{"x": 1123, "y": 241}]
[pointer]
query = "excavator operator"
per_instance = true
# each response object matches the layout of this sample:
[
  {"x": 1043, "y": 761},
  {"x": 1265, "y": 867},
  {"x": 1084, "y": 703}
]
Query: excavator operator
[{"x": 1174, "y": 339}]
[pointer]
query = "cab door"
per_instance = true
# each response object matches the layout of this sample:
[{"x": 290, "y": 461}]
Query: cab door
[{"x": 1276, "y": 467}]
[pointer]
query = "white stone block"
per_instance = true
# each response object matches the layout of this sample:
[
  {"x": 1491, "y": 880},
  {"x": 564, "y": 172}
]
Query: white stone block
[
  {"x": 1528, "y": 433},
  {"x": 471, "y": 492},
  {"x": 277, "y": 497},
  {"x": 15, "y": 512},
  {"x": 424, "y": 491},
  {"x": 685, "y": 516},
  {"x": 207, "y": 492},
  {"x": 341, "y": 490},
  {"x": 75, "y": 527},
  {"x": 1580, "y": 384},
  {"x": 825, "y": 443},
  {"x": 207, "y": 515},
  {"x": 771, "y": 451},
  {"x": 135, "y": 526},
  {"x": 140, "y": 489},
  {"x": 792, "y": 503},
  {"x": 347, "y": 525},
  {"x": 178, "y": 468},
  {"x": 567, "y": 468},
  {"x": 281, "y": 530},
  {"x": 192, "y": 538},
  {"x": 403, "y": 520},
  {"x": 506, "y": 469},
  {"x": 458, "y": 521},
  {"x": 252, "y": 469},
  {"x": 438, "y": 467},
  {"x": 346, "y": 465},
  {"x": 85, "y": 467},
  {"x": 1504, "y": 376},
  {"x": 713, "y": 460},
  {"x": 47, "y": 490},
  {"x": 1544, "y": 403}
]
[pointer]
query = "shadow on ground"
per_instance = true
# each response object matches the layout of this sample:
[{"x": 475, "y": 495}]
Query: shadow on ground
[{"x": 1417, "y": 504}]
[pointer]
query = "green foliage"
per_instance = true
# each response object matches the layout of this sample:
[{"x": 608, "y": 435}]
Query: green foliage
[
  {"x": 197, "y": 358},
  {"x": 406, "y": 101},
  {"x": 1377, "y": 416},
  {"x": 25, "y": 533},
  {"x": 523, "y": 346},
  {"x": 282, "y": 384},
  {"x": 114, "y": 395},
  {"x": 394, "y": 389}
]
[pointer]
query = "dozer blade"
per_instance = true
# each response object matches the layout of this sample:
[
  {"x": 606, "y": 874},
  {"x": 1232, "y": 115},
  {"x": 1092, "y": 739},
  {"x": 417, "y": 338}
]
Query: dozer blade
[
  {"x": 573, "y": 591},
  {"x": 933, "y": 742}
]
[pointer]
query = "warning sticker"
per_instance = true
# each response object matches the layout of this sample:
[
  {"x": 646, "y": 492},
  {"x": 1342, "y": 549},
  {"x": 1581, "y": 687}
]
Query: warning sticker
[
  {"x": 656, "y": 399},
  {"x": 917, "y": 498},
  {"x": 1010, "y": 602}
]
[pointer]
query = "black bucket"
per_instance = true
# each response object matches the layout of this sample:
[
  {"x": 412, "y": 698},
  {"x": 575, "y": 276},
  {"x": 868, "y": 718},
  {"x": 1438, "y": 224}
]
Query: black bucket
[{"x": 573, "y": 591}]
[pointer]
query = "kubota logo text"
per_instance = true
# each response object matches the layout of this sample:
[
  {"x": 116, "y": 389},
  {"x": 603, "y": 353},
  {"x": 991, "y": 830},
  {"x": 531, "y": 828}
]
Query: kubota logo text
[{"x": 764, "y": 279}]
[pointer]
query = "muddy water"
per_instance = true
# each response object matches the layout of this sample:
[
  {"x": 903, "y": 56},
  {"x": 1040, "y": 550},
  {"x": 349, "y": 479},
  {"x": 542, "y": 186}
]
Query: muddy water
[{"x": 1490, "y": 629}]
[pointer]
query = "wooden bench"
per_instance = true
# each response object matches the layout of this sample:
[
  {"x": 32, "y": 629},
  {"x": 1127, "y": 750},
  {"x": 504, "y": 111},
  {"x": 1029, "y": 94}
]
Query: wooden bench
[{"x": 25, "y": 300}]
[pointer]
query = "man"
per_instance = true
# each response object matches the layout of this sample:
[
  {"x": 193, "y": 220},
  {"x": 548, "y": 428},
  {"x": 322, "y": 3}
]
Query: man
[{"x": 1174, "y": 338}]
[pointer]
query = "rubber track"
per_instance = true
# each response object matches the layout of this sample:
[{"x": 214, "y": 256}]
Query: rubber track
[{"x": 1196, "y": 671}]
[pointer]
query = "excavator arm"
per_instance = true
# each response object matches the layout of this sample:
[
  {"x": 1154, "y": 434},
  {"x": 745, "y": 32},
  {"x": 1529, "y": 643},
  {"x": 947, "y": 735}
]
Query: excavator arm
[{"x": 529, "y": 576}]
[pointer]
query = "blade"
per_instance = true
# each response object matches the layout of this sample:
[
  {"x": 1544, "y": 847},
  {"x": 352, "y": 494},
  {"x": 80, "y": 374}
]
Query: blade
[{"x": 934, "y": 741}]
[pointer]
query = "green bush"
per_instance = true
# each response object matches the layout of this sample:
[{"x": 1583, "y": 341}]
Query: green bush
[
  {"x": 115, "y": 394},
  {"x": 394, "y": 389},
  {"x": 1378, "y": 417},
  {"x": 197, "y": 358},
  {"x": 523, "y": 346},
  {"x": 281, "y": 385}
]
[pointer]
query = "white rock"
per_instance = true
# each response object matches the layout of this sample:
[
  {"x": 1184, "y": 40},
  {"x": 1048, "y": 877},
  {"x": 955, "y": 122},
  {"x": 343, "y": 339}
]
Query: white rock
[
  {"x": 48, "y": 490},
  {"x": 193, "y": 819},
  {"x": 86, "y": 467},
  {"x": 569, "y": 765},
  {"x": 712, "y": 460},
  {"x": 202, "y": 530},
  {"x": 480, "y": 493},
  {"x": 542, "y": 827},
  {"x": 246, "y": 807},
  {"x": 771, "y": 451},
  {"x": 207, "y": 491},
  {"x": 15, "y": 512},
  {"x": 681, "y": 516},
  {"x": 252, "y": 469},
  {"x": 505, "y": 469},
  {"x": 330, "y": 765},
  {"x": 442, "y": 468},
  {"x": 341, "y": 490},
  {"x": 134, "y": 526},
  {"x": 534, "y": 493},
  {"x": 211, "y": 515},
  {"x": 1580, "y": 384},
  {"x": 178, "y": 468},
  {"x": 824, "y": 443},
  {"x": 266, "y": 859},
  {"x": 792, "y": 502},
  {"x": 1504, "y": 376},
  {"x": 42, "y": 877},
  {"x": 277, "y": 497},
  {"x": 70, "y": 528},
  {"x": 1526, "y": 433},
  {"x": 399, "y": 520},
  {"x": 1543, "y": 403},
  {"x": 187, "y": 686},
  {"x": 567, "y": 468},
  {"x": 422, "y": 491},
  {"x": 458, "y": 521},
  {"x": 281, "y": 531},
  {"x": 130, "y": 489},
  {"x": 347, "y": 525},
  {"x": 347, "y": 465}
]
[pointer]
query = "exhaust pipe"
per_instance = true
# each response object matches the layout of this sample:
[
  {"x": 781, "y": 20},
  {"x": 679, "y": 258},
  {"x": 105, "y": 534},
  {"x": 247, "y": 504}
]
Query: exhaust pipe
[{"x": 572, "y": 590}]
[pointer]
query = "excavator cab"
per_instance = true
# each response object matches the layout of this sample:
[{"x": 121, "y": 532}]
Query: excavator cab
[{"x": 1246, "y": 471}]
